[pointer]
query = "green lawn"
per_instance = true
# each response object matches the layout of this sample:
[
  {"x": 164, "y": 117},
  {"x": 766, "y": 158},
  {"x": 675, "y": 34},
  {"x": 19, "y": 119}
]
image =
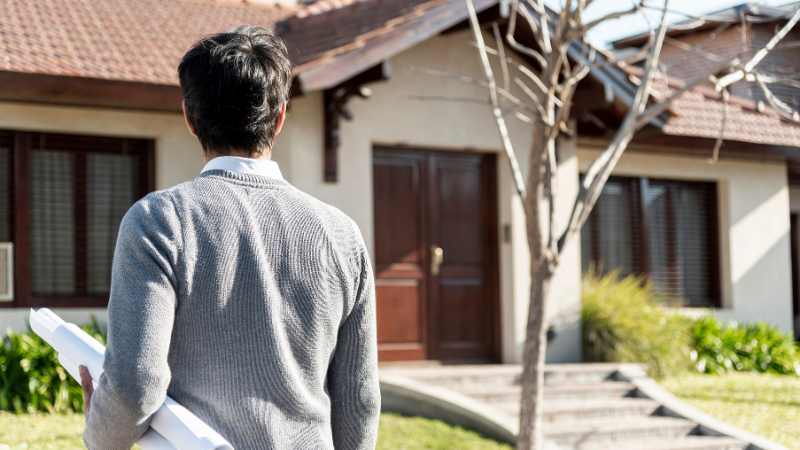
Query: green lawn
[
  {"x": 415, "y": 433},
  {"x": 63, "y": 432},
  {"x": 768, "y": 405}
]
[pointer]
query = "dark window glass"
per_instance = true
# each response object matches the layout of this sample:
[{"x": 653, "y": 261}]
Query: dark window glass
[
  {"x": 663, "y": 229},
  {"x": 112, "y": 182},
  {"x": 52, "y": 229},
  {"x": 6, "y": 187}
]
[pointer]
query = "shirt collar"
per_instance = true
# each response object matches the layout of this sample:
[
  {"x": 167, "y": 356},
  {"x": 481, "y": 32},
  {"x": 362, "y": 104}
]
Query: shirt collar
[{"x": 236, "y": 164}]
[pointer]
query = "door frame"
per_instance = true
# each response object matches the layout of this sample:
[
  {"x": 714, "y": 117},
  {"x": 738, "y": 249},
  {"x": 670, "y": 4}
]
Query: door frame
[{"x": 491, "y": 246}]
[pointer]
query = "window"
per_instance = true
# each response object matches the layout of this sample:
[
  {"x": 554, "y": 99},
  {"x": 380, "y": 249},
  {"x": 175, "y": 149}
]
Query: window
[
  {"x": 62, "y": 198},
  {"x": 666, "y": 230}
]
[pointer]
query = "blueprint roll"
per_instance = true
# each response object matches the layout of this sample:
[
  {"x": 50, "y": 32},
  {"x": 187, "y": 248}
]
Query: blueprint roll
[
  {"x": 172, "y": 427},
  {"x": 150, "y": 440}
]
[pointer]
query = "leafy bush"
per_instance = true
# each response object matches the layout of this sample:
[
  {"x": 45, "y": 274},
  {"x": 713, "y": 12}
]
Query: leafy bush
[
  {"x": 752, "y": 348},
  {"x": 623, "y": 321},
  {"x": 31, "y": 379}
]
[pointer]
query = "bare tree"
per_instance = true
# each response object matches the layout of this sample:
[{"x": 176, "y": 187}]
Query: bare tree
[{"x": 564, "y": 57}]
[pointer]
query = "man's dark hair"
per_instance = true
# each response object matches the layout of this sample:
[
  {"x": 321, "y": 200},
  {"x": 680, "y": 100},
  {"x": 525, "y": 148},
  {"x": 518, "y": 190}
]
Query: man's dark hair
[{"x": 234, "y": 84}]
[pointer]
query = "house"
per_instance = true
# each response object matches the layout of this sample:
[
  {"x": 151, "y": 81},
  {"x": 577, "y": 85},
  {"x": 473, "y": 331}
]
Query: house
[{"x": 90, "y": 121}]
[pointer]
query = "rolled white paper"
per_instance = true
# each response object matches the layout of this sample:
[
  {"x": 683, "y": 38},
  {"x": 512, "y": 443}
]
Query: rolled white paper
[
  {"x": 150, "y": 440},
  {"x": 72, "y": 369},
  {"x": 172, "y": 427},
  {"x": 80, "y": 348}
]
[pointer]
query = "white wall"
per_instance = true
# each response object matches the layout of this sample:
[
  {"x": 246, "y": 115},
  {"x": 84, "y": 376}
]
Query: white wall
[
  {"x": 754, "y": 227},
  {"x": 388, "y": 118},
  {"x": 178, "y": 158}
]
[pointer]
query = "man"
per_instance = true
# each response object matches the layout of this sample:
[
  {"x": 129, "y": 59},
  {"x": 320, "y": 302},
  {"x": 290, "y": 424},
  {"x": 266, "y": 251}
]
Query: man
[{"x": 247, "y": 301}]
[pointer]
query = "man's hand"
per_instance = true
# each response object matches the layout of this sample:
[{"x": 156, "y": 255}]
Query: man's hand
[{"x": 88, "y": 389}]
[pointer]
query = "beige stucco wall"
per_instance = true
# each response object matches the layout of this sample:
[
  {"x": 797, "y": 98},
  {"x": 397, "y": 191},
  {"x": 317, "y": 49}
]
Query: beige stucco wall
[
  {"x": 389, "y": 119},
  {"x": 178, "y": 158},
  {"x": 754, "y": 227}
]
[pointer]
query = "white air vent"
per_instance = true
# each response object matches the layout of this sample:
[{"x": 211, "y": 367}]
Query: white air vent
[{"x": 6, "y": 271}]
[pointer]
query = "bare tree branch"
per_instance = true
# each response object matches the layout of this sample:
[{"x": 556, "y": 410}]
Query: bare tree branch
[
  {"x": 502, "y": 55},
  {"x": 464, "y": 79},
  {"x": 654, "y": 110},
  {"x": 581, "y": 31},
  {"x": 697, "y": 48},
  {"x": 512, "y": 24},
  {"x": 501, "y": 124},
  {"x": 527, "y": 72},
  {"x": 535, "y": 99},
  {"x": 443, "y": 98},
  {"x": 782, "y": 108},
  {"x": 729, "y": 79},
  {"x": 718, "y": 144}
]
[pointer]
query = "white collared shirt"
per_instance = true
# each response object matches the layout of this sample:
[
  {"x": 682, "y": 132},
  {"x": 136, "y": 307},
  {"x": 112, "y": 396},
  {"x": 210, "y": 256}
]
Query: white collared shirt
[{"x": 249, "y": 166}]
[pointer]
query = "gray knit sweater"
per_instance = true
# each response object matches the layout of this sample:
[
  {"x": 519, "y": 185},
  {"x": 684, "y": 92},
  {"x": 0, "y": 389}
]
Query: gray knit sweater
[{"x": 250, "y": 303}]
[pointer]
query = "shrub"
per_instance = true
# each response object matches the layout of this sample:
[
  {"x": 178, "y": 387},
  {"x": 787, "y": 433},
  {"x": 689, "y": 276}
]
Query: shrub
[
  {"x": 752, "y": 348},
  {"x": 623, "y": 321},
  {"x": 32, "y": 380}
]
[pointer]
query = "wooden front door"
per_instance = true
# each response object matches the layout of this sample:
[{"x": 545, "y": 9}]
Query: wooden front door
[{"x": 436, "y": 255}]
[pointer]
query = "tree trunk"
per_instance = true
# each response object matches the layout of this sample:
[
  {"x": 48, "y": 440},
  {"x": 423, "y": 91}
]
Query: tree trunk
[
  {"x": 530, "y": 429},
  {"x": 530, "y": 432}
]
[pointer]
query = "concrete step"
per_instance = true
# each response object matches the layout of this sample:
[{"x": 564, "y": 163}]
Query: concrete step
[
  {"x": 578, "y": 374},
  {"x": 614, "y": 434},
  {"x": 602, "y": 390},
  {"x": 462, "y": 376},
  {"x": 506, "y": 393},
  {"x": 686, "y": 443},
  {"x": 607, "y": 410}
]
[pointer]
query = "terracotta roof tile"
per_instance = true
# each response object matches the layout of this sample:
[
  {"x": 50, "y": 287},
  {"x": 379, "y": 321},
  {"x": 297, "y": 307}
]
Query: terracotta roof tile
[
  {"x": 699, "y": 113},
  {"x": 130, "y": 40},
  {"x": 330, "y": 27}
]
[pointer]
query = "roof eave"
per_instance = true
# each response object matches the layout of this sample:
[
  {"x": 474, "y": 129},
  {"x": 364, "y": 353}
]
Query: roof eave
[{"x": 325, "y": 74}]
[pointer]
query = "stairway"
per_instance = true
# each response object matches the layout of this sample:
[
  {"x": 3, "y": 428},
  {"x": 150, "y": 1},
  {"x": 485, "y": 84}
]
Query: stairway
[{"x": 585, "y": 406}]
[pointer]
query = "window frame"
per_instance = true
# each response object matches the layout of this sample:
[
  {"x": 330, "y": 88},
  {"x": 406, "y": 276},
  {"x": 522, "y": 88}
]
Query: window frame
[
  {"x": 640, "y": 264},
  {"x": 22, "y": 148}
]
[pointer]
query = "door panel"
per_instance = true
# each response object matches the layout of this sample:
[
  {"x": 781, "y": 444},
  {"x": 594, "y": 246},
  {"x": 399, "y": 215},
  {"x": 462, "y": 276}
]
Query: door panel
[
  {"x": 425, "y": 200},
  {"x": 461, "y": 225},
  {"x": 399, "y": 311},
  {"x": 399, "y": 257}
]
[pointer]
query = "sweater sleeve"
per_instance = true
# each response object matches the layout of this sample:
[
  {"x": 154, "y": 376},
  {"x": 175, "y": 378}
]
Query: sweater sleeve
[
  {"x": 353, "y": 373},
  {"x": 141, "y": 310}
]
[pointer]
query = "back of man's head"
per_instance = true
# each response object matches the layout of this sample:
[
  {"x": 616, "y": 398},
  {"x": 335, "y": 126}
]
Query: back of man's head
[{"x": 234, "y": 84}]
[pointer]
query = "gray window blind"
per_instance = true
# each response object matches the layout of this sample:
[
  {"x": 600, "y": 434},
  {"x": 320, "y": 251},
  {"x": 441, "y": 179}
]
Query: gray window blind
[
  {"x": 111, "y": 190},
  {"x": 661, "y": 228},
  {"x": 80, "y": 188},
  {"x": 52, "y": 224}
]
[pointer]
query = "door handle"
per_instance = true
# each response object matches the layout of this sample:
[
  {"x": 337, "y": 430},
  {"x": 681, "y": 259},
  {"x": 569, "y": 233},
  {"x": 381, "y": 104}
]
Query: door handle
[{"x": 437, "y": 256}]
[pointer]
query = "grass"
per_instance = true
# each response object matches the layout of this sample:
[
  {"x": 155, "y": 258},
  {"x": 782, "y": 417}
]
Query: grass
[
  {"x": 768, "y": 405},
  {"x": 64, "y": 431},
  {"x": 415, "y": 433},
  {"x": 41, "y": 431}
]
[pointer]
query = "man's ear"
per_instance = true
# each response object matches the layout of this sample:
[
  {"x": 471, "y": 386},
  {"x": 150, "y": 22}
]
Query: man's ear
[
  {"x": 280, "y": 119},
  {"x": 189, "y": 122}
]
